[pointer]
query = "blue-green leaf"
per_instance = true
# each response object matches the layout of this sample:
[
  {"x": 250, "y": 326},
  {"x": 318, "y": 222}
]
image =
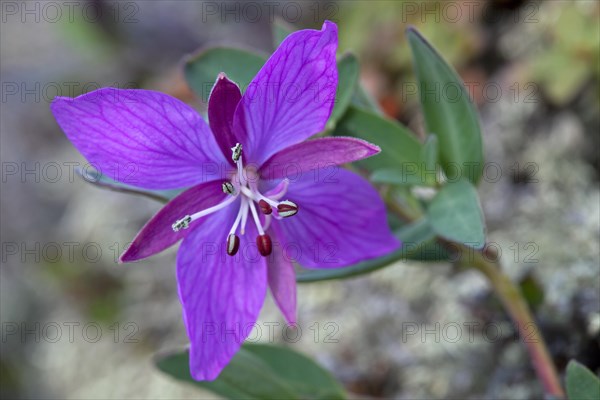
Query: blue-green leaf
[
  {"x": 418, "y": 243},
  {"x": 431, "y": 153},
  {"x": 348, "y": 71},
  {"x": 582, "y": 384},
  {"x": 202, "y": 69},
  {"x": 362, "y": 99},
  {"x": 448, "y": 111},
  {"x": 425, "y": 175},
  {"x": 260, "y": 372},
  {"x": 455, "y": 214},
  {"x": 246, "y": 376},
  {"x": 403, "y": 177},
  {"x": 308, "y": 379},
  {"x": 400, "y": 149}
]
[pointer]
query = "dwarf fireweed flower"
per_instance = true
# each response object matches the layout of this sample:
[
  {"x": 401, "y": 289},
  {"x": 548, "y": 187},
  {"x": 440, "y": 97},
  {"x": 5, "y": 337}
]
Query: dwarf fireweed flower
[{"x": 260, "y": 195}]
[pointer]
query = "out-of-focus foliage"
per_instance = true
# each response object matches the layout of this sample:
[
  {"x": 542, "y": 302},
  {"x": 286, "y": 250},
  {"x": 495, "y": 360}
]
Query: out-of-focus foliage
[
  {"x": 560, "y": 50},
  {"x": 388, "y": 42}
]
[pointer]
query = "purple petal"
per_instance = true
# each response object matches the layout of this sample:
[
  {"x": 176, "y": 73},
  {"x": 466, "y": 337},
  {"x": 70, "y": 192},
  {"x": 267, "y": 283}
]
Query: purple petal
[
  {"x": 140, "y": 137},
  {"x": 222, "y": 102},
  {"x": 158, "y": 235},
  {"x": 221, "y": 295},
  {"x": 282, "y": 279},
  {"x": 341, "y": 221},
  {"x": 314, "y": 154},
  {"x": 292, "y": 96}
]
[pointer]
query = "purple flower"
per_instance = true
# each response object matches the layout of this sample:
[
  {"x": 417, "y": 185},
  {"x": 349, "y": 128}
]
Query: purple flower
[{"x": 260, "y": 195}]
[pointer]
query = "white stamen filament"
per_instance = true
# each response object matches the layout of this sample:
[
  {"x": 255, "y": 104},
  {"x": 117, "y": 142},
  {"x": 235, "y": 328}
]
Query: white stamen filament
[
  {"x": 238, "y": 217},
  {"x": 257, "y": 196},
  {"x": 244, "y": 208},
  {"x": 256, "y": 219},
  {"x": 241, "y": 177},
  {"x": 271, "y": 200},
  {"x": 212, "y": 209},
  {"x": 247, "y": 192},
  {"x": 268, "y": 219}
]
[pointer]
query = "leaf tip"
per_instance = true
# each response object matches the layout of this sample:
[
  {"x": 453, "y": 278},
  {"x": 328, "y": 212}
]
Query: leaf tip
[{"x": 412, "y": 30}]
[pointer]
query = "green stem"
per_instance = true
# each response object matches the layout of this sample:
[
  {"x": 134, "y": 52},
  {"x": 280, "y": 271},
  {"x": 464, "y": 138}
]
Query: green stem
[{"x": 517, "y": 308}]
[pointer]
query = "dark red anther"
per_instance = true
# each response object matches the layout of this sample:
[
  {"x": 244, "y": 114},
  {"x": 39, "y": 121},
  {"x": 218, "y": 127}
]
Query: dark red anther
[
  {"x": 265, "y": 247},
  {"x": 287, "y": 208},
  {"x": 233, "y": 244},
  {"x": 265, "y": 207}
]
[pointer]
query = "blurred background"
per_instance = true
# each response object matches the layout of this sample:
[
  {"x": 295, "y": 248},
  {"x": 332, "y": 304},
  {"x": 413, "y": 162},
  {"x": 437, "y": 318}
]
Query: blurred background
[{"x": 75, "y": 324}]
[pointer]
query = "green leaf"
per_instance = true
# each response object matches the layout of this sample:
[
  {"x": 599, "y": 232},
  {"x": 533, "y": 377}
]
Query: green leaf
[
  {"x": 431, "y": 152},
  {"x": 429, "y": 251},
  {"x": 348, "y": 71},
  {"x": 403, "y": 177},
  {"x": 403, "y": 197},
  {"x": 98, "y": 179},
  {"x": 362, "y": 99},
  {"x": 417, "y": 244},
  {"x": 455, "y": 214},
  {"x": 202, "y": 69},
  {"x": 582, "y": 384},
  {"x": 400, "y": 149},
  {"x": 416, "y": 233},
  {"x": 425, "y": 176},
  {"x": 306, "y": 377},
  {"x": 260, "y": 372},
  {"x": 246, "y": 376},
  {"x": 448, "y": 111}
]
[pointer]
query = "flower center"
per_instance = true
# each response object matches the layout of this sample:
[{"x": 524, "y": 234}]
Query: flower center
[{"x": 244, "y": 184}]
